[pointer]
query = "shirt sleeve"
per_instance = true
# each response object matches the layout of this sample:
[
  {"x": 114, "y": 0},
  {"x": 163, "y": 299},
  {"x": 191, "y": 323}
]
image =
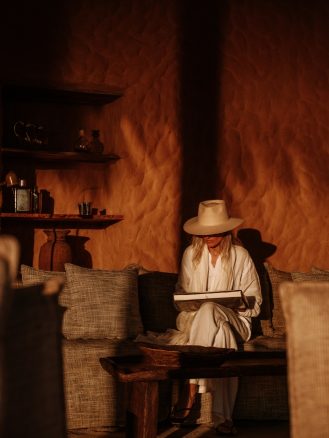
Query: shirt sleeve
[{"x": 250, "y": 285}]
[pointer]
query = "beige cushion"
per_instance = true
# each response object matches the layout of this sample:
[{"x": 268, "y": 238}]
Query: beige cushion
[
  {"x": 319, "y": 270},
  {"x": 35, "y": 276},
  {"x": 310, "y": 276},
  {"x": 305, "y": 307},
  {"x": 276, "y": 278},
  {"x": 103, "y": 304}
]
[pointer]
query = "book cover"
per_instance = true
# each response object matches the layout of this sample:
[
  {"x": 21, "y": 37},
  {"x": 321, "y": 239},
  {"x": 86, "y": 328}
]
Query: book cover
[{"x": 189, "y": 301}]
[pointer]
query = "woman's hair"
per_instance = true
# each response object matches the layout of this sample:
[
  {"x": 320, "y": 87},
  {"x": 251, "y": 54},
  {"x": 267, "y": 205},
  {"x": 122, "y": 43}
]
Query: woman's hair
[{"x": 224, "y": 249}]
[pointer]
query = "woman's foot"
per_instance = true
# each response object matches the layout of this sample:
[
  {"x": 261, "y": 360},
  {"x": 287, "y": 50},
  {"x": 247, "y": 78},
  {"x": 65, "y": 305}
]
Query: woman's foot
[
  {"x": 184, "y": 406},
  {"x": 226, "y": 428}
]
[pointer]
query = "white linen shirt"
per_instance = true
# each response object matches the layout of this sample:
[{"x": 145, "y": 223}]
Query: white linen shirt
[{"x": 242, "y": 275}]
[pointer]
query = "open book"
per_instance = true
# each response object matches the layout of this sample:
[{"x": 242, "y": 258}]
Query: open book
[{"x": 233, "y": 299}]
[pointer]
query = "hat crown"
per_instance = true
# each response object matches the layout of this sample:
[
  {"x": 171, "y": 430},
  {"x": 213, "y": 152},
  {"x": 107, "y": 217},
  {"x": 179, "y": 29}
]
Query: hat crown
[{"x": 212, "y": 212}]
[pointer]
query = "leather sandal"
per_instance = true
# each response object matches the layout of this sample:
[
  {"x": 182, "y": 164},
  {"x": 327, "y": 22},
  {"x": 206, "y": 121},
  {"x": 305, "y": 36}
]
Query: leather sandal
[
  {"x": 185, "y": 411},
  {"x": 179, "y": 420}
]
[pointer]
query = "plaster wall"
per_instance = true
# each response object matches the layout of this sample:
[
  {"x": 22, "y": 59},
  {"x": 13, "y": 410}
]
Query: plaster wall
[{"x": 224, "y": 100}]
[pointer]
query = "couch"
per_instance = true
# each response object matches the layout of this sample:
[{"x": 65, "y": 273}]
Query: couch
[{"x": 106, "y": 310}]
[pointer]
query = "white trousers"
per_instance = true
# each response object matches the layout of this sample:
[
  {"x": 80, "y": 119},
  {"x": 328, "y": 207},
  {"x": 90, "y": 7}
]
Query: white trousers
[{"x": 217, "y": 326}]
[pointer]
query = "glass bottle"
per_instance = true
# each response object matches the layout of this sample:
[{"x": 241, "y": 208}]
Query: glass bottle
[
  {"x": 81, "y": 144},
  {"x": 22, "y": 197},
  {"x": 96, "y": 146}
]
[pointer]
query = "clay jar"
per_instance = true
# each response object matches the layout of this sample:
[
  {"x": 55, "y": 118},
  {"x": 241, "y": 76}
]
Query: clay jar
[{"x": 55, "y": 252}]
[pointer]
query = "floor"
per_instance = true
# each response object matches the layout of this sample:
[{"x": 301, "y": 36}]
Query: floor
[{"x": 246, "y": 429}]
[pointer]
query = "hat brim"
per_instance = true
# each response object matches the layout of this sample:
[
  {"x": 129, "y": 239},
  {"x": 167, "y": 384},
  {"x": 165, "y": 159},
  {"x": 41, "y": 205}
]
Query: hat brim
[{"x": 193, "y": 226}]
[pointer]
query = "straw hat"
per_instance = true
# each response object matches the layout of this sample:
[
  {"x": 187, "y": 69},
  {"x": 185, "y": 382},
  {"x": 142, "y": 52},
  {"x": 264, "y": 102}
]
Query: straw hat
[{"x": 212, "y": 219}]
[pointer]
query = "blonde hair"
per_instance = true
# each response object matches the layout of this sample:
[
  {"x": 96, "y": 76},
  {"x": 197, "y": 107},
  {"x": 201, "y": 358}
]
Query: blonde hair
[{"x": 225, "y": 246}]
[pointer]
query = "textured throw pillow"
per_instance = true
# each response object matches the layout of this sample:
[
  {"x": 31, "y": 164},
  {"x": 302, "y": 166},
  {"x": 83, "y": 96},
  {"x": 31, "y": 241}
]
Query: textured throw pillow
[
  {"x": 35, "y": 276},
  {"x": 310, "y": 276},
  {"x": 103, "y": 304},
  {"x": 156, "y": 300},
  {"x": 276, "y": 278},
  {"x": 319, "y": 270}
]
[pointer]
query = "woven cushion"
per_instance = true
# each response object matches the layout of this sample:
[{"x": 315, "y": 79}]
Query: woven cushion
[
  {"x": 103, "y": 304},
  {"x": 305, "y": 306},
  {"x": 319, "y": 270},
  {"x": 310, "y": 276},
  {"x": 93, "y": 397},
  {"x": 265, "y": 343},
  {"x": 36, "y": 276},
  {"x": 276, "y": 278},
  {"x": 156, "y": 300},
  {"x": 262, "y": 398}
]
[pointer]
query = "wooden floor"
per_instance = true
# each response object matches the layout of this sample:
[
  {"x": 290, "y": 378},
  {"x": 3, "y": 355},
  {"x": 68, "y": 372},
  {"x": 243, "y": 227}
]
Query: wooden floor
[{"x": 246, "y": 429}]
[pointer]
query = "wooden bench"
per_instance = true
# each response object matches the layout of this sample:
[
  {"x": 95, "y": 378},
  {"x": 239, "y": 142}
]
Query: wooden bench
[{"x": 144, "y": 372}]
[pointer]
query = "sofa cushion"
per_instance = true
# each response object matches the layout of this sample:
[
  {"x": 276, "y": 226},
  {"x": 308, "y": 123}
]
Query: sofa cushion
[
  {"x": 155, "y": 291},
  {"x": 103, "y": 304},
  {"x": 310, "y": 276},
  {"x": 276, "y": 278},
  {"x": 319, "y": 270},
  {"x": 265, "y": 343},
  {"x": 35, "y": 276},
  {"x": 93, "y": 397}
]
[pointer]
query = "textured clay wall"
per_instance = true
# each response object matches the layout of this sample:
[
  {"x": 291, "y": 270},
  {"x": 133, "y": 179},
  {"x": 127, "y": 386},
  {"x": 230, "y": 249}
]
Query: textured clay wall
[{"x": 220, "y": 100}]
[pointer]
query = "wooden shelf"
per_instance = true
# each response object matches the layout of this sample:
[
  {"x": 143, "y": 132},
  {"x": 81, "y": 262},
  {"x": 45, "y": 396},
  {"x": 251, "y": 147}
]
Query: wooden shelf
[
  {"x": 43, "y": 220},
  {"x": 60, "y": 94},
  {"x": 60, "y": 157}
]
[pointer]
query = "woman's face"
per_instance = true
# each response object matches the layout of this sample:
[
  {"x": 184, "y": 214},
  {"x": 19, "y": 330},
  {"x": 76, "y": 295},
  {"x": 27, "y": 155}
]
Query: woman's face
[{"x": 213, "y": 240}]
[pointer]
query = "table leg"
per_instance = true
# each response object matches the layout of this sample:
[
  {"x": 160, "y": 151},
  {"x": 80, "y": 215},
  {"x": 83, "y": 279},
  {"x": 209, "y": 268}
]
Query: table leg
[{"x": 142, "y": 415}]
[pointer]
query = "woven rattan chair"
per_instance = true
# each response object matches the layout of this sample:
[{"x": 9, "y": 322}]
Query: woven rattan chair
[
  {"x": 31, "y": 382},
  {"x": 305, "y": 306}
]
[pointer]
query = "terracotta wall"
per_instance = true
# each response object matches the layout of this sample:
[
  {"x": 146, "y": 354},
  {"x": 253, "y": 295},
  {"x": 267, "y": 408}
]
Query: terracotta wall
[{"x": 221, "y": 99}]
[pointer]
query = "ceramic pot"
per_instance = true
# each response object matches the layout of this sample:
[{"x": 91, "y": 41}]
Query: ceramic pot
[{"x": 55, "y": 252}]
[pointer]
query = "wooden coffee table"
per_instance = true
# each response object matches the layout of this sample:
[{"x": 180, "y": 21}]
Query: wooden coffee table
[{"x": 144, "y": 372}]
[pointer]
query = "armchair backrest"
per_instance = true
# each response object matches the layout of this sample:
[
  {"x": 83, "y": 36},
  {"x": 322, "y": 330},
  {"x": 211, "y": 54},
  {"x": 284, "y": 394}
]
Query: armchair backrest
[
  {"x": 305, "y": 307},
  {"x": 31, "y": 378}
]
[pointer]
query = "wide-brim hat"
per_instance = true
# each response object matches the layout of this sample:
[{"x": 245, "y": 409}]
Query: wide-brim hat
[{"x": 212, "y": 219}]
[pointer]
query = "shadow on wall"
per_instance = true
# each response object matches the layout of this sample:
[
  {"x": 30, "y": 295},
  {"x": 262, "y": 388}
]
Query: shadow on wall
[
  {"x": 202, "y": 25},
  {"x": 259, "y": 251},
  {"x": 80, "y": 256}
]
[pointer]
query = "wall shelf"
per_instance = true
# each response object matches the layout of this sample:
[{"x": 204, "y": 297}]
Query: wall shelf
[
  {"x": 43, "y": 220},
  {"x": 59, "y": 157},
  {"x": 60, "y": 94}
]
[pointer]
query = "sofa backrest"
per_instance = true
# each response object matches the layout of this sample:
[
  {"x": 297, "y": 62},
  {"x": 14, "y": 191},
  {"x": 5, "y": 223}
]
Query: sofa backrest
[{"x": 155, "y": 290}]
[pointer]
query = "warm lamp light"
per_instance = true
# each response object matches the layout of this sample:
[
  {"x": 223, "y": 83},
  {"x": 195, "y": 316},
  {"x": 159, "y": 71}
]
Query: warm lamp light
[{"x": 11, "y": 179}]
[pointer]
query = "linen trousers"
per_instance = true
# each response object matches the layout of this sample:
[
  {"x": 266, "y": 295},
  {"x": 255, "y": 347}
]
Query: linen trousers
[{"x": 214, "y": 325}]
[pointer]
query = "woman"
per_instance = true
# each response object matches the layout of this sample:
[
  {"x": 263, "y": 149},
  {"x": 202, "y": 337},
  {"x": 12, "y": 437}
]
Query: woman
[{"x": 213, "y": 263}]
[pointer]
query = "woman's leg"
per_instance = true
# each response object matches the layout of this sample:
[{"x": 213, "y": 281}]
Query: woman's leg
[
  {"x": 214, "y": 326},
  {"x": 185, "y": 402}
]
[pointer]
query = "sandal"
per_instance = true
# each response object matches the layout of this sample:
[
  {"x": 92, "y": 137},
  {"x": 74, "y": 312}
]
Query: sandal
[
  {"x": 180, "y": 420},
  {"x": 184, "y": 412},
  {"x": 226, "y": 429}
]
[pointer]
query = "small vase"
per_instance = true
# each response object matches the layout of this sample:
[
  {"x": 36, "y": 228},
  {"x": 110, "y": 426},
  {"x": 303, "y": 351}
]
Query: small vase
[{"x": 55, "y": 252}]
